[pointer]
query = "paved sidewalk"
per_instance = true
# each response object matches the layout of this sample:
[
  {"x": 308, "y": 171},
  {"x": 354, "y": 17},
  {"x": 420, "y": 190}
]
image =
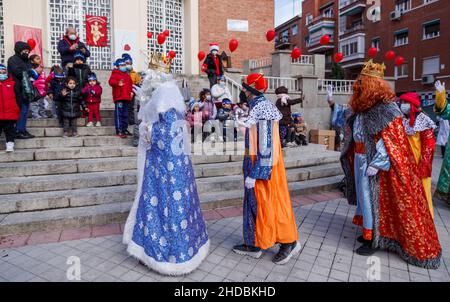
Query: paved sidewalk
[{"x": 326, "y": 233}]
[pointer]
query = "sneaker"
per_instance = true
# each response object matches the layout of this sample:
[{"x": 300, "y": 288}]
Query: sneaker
[
  {"x": 66, "y": 135},
  {"x": 9, "y": 147},
  {"x": 286, "y": 252},
  {"x": 366, "y": 249},
  {"x": 90, "y": 125},
  {"x": 121, "y": 135},
  {"x": 246, "y": 250},
  {"x": 75, "y": 134},
  {"x": 127, "y": 133},
  {"x": 98, "y": 124},
  {"x": 361, "y": 239},
  {"x": 20, "y": 135},
  {"x": 28, "y": 135}
]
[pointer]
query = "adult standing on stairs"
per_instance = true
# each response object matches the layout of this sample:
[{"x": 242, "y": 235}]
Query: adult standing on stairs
[
  {"x": 213, "y": 65},
  {"x": 20, "y": 68},
  {"x": 268, "y": 215},
  {"x": 69, "y": 45}
]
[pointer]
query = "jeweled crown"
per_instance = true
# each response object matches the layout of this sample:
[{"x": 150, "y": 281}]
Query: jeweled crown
[
  {"x": 372, "y": 69},
  {"x": 160, "y": 62}
]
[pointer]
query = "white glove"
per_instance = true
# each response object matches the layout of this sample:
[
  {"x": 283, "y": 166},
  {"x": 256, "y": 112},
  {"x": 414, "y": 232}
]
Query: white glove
[
  {"x": 138, "y": 93},
  {"x": 440, "y": 87},
  {"x": 371, "y": 171},
  {"x": 145, "y": 132},
  {"x": 250, "y": 183},
  {"x": 330, "y": 92}
]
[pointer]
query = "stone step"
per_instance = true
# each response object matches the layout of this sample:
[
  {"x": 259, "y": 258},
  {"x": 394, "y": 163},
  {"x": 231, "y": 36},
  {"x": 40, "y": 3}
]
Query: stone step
[
  {"x": 67, "y": 153},
  {"x": 117, "y": 212},
  {"x": 82, "y": 131},
  {"x": 36, "y": 168},
  {"x": 49, "y": 123},
  {"x": 59, "y": 142}
]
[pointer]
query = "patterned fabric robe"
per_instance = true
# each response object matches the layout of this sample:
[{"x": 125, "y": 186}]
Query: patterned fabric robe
[
  {"x": 401, "y": 216},
  {"x": 268, "y": 214},
  {"x": 443, "y": 187}
]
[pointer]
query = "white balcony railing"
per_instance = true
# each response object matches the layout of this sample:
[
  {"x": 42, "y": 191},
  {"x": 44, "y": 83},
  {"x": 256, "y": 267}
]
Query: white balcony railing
[
  {"x": 339, "y": 86},
  {"x": 260, "y": 63},
  {"x": 274, "y": 82},
  {"x": 304, "y": 60}
]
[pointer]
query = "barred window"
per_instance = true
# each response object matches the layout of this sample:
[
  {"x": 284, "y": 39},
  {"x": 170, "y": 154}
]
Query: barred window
[
  {"x": 72, "y": 13},
  {"x": 167, "y": 15}
]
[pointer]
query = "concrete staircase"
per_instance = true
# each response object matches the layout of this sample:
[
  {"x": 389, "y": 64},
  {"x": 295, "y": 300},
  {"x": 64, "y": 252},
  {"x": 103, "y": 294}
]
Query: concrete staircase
[{"x": 54, "y": 183}]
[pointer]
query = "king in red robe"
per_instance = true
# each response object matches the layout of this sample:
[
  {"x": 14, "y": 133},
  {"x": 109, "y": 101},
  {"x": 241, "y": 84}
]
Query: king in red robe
[{"x": 396, "y": 215}]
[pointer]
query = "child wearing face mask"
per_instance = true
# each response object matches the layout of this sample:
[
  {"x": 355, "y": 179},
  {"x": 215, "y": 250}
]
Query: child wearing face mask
[
  {"x": 136, "y": 78},
  {"x": 122, "y": 86},
  {"x": 220, "y": 91},
  {"x": 93, "y": 95},
  {"x": 420, "y": 131},
  {"x": 56, "y": 84},
  {"x": 37, "y": 107},
  {"x": 80, "y": 70},
  {"x": 9, "y": 110},
  {"x": 213, "y": 65}
]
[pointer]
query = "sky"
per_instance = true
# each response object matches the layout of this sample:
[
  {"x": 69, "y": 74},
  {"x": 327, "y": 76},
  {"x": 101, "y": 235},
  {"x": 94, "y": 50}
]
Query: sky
[{"x": 286, "y": 9}]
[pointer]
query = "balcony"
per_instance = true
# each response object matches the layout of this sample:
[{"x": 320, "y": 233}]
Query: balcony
[
  {"x": 314, "y": 45},
  {"x": 283, "y": 43},
  {"x": 351, "y": 7},
  {"x": 348, "y": 32},
  {"x": 323, "y": 21}
]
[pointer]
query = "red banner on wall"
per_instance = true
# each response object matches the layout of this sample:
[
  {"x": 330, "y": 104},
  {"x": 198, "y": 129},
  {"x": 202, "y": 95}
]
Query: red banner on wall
[
  {"x": 96, "y": 31},
  {"x": 25, "y": 33}
]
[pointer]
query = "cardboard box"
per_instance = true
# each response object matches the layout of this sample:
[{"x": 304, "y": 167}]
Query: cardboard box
[{"x": 323, "y": 137}]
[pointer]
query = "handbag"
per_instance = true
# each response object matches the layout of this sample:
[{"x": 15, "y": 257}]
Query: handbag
[
  {"x": 30, "y": 92},
  {"x": 185, "y": 91}
]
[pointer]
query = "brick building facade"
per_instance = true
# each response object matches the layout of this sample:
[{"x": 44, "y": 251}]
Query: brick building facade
[
  {"x": 288, "y": 34},
  {"x": 244, "y": 20}
]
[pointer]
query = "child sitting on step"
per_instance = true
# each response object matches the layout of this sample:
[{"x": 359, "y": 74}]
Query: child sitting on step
[
  {"x": 300, "y": 130},
  {"x": 9, "y": 110},
  {"x": 93, "y": 96}
]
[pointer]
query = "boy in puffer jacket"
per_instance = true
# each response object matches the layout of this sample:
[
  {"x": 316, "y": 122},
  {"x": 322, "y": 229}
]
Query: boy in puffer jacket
[
  {"x": 9, "y": 110},
  {"x": 71, "y": 101}
]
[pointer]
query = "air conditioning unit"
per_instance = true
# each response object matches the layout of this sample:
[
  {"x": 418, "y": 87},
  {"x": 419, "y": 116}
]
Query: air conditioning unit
[
  {"x": 428, "y": 79},
  {"x": 396, "y": 15}
]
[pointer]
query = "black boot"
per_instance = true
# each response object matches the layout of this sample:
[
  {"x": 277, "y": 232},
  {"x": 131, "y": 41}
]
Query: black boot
[
  {"x": 286, "y": 252},
  {"x": 367, "y": 249},
  {"x": 247, "y": 250}
]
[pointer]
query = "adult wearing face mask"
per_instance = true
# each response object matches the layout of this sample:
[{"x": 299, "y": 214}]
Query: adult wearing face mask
[
  {"x": 220, "y": 91},
  {"x": 213, "y": 65},
  {"x": 420, "y": 131},
  {"x": 70, "y": 45},
  {"x": 20, "y": 68}
]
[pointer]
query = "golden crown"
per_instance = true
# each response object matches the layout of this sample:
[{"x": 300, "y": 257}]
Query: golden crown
[
  {"x": 160, "y": 62},
  {"x": 372, "y": 69}
]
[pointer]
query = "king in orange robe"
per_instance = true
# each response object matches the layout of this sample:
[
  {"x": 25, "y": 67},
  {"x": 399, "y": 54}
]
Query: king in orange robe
[
  {"x": 397, "y": 207},
  {"x": 268, "y": 214}
]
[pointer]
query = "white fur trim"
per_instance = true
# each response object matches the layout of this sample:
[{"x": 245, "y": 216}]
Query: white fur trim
[
  {"x": 214, "y": 47},
  {"x": 169, "y": 269}
]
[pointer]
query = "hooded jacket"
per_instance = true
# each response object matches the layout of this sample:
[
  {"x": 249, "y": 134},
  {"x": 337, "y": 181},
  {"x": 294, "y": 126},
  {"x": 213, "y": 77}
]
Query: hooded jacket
[
  {"x": 71, "y": 103},
  {"x": 93, "y": 94},
  {"x": 67, "y": 54},
  {"x": 81, "y": 74},
  {"x": 16, "y": 67},
  {"x": 121, "y": 93},
  {"x": 9, "y": 111}
]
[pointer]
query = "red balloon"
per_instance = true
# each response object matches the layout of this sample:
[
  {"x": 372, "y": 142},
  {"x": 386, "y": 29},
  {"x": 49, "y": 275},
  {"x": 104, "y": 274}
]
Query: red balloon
[
  {"x": 166, "y": 33},
  {"x": 161, "y": 39},
  {"x": 373, "y": 51},
  {"x": 270, "y": 35},
  {"x": 325, "y": 40},
  {"x": 399, "y": 61},
  {"x": 31, "y": 43},
  {"x": 149, "y": 35},
  {"x": 338, "y": 57},
  {"x": 201, "y": 55},
  {"x": 234, "y": 44},
  {"x": 296, "y": 53},
  {"x": 172, "y": 54},
  {"x": 390, "y": 55}
]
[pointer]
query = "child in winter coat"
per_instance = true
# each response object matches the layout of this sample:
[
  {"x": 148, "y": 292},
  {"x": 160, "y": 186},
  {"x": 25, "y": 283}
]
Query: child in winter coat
[
  {"x": 136, "y": 78},
  {"x": 80, "y": 70},
  {"x": 9, "y": 110},
  {"x": 226, "y": 117},
  {"x": 300, "y": 130},
  {"x": 122, "y": 86},
  {"x": 194, "y": 118},
  {"x": 93, "y": 96},
  {"x": 56, "y": 85},
  {"x": 241, "y": 114},
  {"x": 37, "y": 107},
  {"x": 71, "y": 102}
]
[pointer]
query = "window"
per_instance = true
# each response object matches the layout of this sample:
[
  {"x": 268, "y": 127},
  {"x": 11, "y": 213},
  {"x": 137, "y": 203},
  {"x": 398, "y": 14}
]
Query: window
[
  {"x": 431, "y": 29},
  {"x": 401, "y": 71},
  {"x": 285, "y": 36},
  {"x": 350, "y": 49},
  {"x": 307, "y": 41},
  {"x": 431, "y": 65},
  {"x": 309, "y": 19},
  {"x": 376, "y": 43},
  {"x": 403, "y": 5},
  {"x": 401, "y": 38},
  {"x": 295, "y": 30},
  {"x": 328, "y": 13}
]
